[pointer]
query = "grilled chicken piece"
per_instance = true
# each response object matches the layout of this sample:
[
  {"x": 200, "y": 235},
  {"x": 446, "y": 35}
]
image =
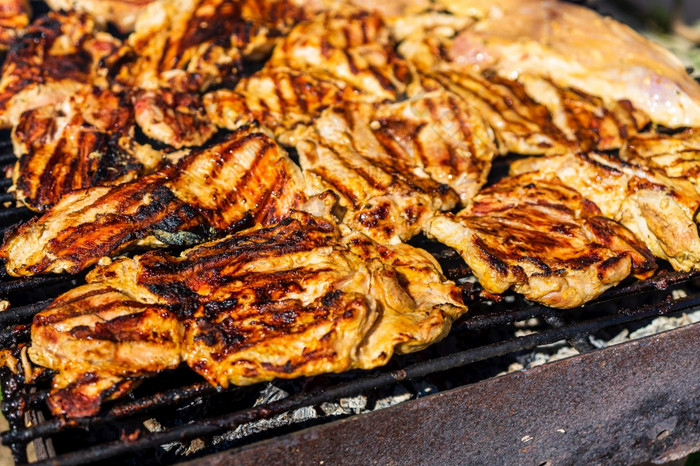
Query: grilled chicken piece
[
  {"x": 520, "y": 124},
  {"x": 355, "y": 49},
  {"x": 586, "y": 120},
  {"x": 387, "y": 198},
  {"x": 245, "y": 179},
  {"x": 122, "y": 13},
  {"x": 283, "y": 100},
  {"x": 190, "y": 45},
  {"x": 174, "y": 118},
  {"x": 576, "y": 47},
  {"x": 542, "y": 239},
  {"x": 97, "y": 339},
  {"x": 659, "y": 210},
  {"x": 296, "y": 299},
  {"x": 58, "y": 54},
  {"x": 14, "y": 16},
  {"x": 84, "y": 141},
  {"x": 678, "y": 155}
]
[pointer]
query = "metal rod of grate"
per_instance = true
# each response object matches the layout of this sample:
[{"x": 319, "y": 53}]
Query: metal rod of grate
[{"x": 361, "y": 385}]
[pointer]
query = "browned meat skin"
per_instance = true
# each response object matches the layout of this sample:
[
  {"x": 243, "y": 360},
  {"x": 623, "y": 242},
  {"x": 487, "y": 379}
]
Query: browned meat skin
[
  {"x": 678, "y": 155},
  {"x": 95, "y": 338},
  {"x": 57, "y": 55},
  {"x": 190, "y": 45},
  {"x": 14, "y": 16},
  {"x": 385, "y": 197},
  {"x": 84, "y": 141},
  {"x": 122, "y": 13},
  {"x": 295, "y": 299},
  {"x": 542, "y": 239},
  {"x": 246, "y": 178},
  {"x": 659, "y": 210},
  {"x": 174, "y": 118}
]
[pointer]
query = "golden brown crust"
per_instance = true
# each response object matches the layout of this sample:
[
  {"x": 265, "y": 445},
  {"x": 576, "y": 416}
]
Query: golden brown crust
[
  {"x": 122, "y": 13},
  {"x": 14, "y": 16}
]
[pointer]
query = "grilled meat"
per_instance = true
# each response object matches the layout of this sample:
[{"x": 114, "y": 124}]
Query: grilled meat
[
  {"x": 576, "y": 47},
  {"x": 678, "y": 155},
  {"x": 58, "y": 54},
  {"x": 14, "y": 16},
  {"x": 122, "y": 13},
  {"x": 86, "y": 140},
  {"x": 98, "y": 339},
  {"x": 542, "y": 239},
  {"x": 295, "y": 299},
  {"x": 245, "y": 179},
  {"x": 355, "y": 49},
  {"x": 174, "y": 118},
  {"x": 520, "y": 124},
  {"x": 190, "y": 45},
  {"x": 385, "y": 197},
  {"x": 659, "y": 210},
  {"x": 283, "y": 100}
]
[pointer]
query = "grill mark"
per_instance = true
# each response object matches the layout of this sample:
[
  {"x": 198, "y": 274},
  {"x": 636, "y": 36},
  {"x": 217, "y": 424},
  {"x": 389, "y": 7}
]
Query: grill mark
[{"x": 360, "y": 171}]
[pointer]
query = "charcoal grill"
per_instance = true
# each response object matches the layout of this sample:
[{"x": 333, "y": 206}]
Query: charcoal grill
[{"x": 634, "y": 402}]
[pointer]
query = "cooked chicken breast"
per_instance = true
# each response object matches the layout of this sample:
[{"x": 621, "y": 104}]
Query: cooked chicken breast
[
  {"x": 678, "y": 155},
  {"x": 386, "y": 197},
  {"x": 174, "y": 118},
  {"x": 295, "y": 299},
  {"x": 14, "y": 16},
  {"x": 97, "y": 339},
  {"x": 122, "y": 13},
  {"x": 576, "y": 47},
  {"x": 659, "y": 210},
  {"x": 86, "y": 140},
  {"x": 520, "y": 124},
  {"x": 190, "y": 45},
  {"x": 57, "y": 55},
  {"x": 543, "y": 240},
  {"x": 243, "y": 180}
]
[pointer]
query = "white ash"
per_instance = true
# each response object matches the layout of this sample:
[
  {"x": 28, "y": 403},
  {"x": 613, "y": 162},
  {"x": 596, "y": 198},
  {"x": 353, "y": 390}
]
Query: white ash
[{"x": 399, "y": 395}]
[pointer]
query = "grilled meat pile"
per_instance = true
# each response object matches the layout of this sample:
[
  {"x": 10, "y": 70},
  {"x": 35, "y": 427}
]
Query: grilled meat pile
[{"x": 295, "y": 147}]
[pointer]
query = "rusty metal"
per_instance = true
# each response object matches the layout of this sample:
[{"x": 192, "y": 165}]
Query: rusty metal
[{"x": 635, "y": 402}]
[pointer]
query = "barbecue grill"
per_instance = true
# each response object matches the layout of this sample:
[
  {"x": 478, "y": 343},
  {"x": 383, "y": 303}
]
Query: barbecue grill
[{"x": 633, "y": 402}]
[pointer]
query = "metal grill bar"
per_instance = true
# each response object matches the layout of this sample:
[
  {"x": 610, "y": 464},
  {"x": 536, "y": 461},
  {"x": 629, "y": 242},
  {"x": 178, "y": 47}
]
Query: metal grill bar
[
  {"x": 366, "y": 384},
  {"x": 24, "y": 284}
]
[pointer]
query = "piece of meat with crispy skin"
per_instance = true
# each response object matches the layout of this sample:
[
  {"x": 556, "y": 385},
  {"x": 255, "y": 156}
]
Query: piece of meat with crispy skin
[
  {"x": 543, "y": 240},
  {"x": 174, "y": 118},
  {"x": 659, "y": 210},
  {"x": 299, "y": 298},
  {"x": 243, "y": 180},
  {"x": 190, "y": 45},
  {"x": 86, "y": 140},
  {"x": 57, "y": 55},
  {"x": 14, "y": 17},
  {"x": 122, "y": 13}
]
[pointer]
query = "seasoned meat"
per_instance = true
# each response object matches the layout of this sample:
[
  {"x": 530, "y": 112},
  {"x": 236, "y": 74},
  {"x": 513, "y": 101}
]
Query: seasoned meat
[
  {"x": 659, "y": 210},
  {"x": 283, "y": 100},
  {"x": 86, "y": 140},
  {"x": 174, "y": 118},
  {"x": 542, "y": 239},
  {"x": 245, "y": 179},
  {"x": 356, "y": 49},
  {"x": 14, "y": 16},
  {"x": 190, "y": 45},
  {"x": 678, "y": 155},
  {"x": 576, "y": 47},
  {"x": 97, "y": 339},
  {"x": 520, "y": 124},
  {"x": 384, "y": 196},
  {"x": 122, "y": 13},
  {"x": 58, "y": 54},
  {"x": 295, "y": 299}
]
